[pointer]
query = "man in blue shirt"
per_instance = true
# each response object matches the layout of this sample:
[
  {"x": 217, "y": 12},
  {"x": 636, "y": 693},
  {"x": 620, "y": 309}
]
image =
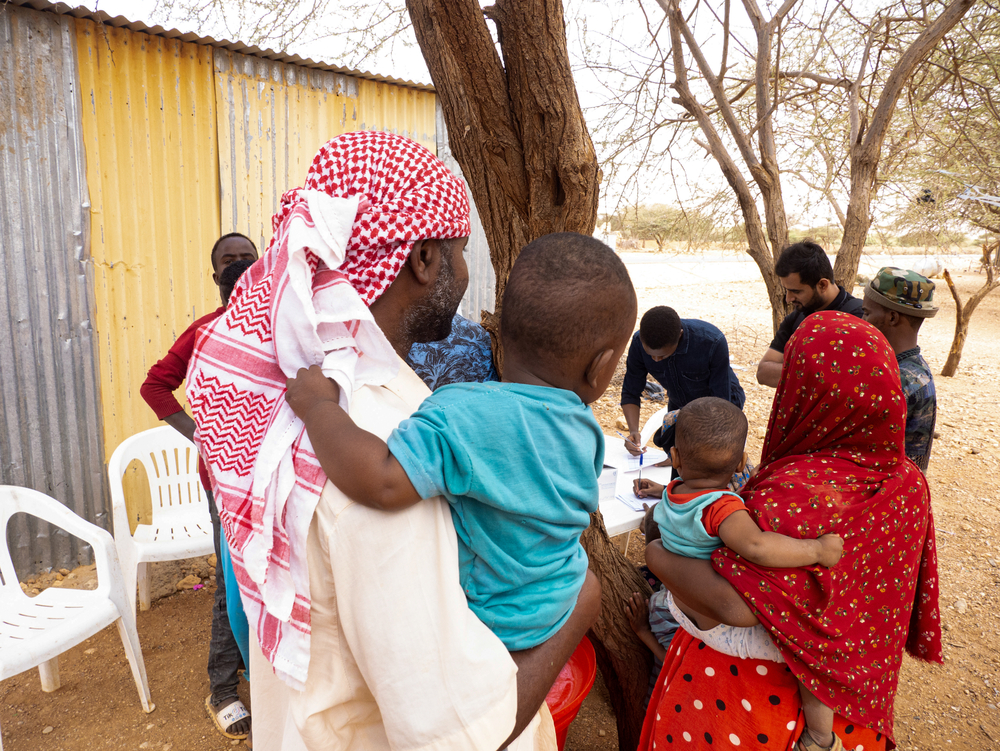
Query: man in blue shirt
[{"x": 689, "y": 358}]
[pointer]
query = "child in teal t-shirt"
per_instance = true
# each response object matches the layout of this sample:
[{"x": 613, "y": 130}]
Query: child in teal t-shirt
[{"x": 518, "y": 461}]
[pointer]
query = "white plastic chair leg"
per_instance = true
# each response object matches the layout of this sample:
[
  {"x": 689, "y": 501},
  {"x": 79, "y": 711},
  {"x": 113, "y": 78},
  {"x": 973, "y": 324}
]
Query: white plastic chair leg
[
  {"x": 142, "y": 580},
  {"x": 130, "y": 641},
  {"x": 49, "y": 673},
  {"x": 128, "y": 568}
]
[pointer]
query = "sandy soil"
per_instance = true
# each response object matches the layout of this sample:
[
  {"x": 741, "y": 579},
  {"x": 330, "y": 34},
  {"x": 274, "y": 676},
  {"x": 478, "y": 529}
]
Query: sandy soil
[{"x": 952, "y": 706}]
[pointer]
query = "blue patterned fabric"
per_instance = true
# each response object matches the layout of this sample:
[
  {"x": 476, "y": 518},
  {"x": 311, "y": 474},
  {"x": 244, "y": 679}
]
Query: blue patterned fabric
[
  {"x": 921, "y": 405},
  {"x": 465, "y": 356}
]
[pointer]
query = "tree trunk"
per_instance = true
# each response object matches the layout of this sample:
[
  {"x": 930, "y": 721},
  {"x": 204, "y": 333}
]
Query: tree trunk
[
  {"x": 624, "y": 660},
  {"x": 963, "y": 316},
  {"x": 765, "y": 176},
  {"x": 516, "y": 128},
  {"x": 961, "y": 331}
]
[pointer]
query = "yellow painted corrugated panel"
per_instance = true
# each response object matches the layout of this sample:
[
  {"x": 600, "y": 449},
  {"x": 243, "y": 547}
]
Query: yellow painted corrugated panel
[
  {"x": 408, "y": 112},
  {"x": 152, "y": 168},
  {"x": 273, "y": 118}
]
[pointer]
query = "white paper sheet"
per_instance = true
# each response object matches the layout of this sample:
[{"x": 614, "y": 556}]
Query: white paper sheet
[{"x": 615, "y": 455}]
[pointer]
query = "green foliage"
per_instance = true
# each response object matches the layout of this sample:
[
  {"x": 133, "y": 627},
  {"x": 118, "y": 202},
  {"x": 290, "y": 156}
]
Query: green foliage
[
  {"x": 953, "y": 116},
  {"x": 662, "y": 224}
]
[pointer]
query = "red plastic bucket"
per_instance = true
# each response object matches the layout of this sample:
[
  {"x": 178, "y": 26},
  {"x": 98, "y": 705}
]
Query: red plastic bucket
[{"x": 571, "y": 687}]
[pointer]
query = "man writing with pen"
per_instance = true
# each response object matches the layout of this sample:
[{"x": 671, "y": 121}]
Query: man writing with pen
[{"x": 688, "y": 357}]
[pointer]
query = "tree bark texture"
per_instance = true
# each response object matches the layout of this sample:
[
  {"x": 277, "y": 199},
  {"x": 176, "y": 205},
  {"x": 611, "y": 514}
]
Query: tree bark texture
[
  {"x": 866, "y": 149},
  {"x": 515, "y": 125},
  {"x": 624, "y": 660}
]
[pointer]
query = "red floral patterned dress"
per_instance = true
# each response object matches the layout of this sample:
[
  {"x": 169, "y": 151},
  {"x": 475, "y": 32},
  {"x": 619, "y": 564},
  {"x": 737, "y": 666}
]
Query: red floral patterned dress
[{"x": 833, "y": 461}]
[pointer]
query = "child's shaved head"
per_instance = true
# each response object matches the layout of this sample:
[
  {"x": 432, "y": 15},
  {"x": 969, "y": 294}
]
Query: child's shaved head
[
  {"x": 568, "y": 295},
  {"x": 711, "y": 435}
]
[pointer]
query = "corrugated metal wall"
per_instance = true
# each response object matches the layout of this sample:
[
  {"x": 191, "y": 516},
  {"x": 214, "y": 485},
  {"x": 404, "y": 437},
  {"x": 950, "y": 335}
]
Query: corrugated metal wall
[
  {"x": 50, "y": 435},
  {"x": 149, "y": 129},
  {"x": 123, "y": 156},
  {"x": 273, "y": 117},
  {"x": 481, "y": 294}
]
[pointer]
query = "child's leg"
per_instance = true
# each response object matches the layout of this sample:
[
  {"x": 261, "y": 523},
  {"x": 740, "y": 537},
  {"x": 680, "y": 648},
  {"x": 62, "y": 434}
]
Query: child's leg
[
  {"x": 637, "y": 610},
  {"x": 819, "y": 720}
]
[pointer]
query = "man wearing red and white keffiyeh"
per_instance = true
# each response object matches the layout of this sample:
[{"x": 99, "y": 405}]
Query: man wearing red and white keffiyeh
[{"x": 359, "y": 612}]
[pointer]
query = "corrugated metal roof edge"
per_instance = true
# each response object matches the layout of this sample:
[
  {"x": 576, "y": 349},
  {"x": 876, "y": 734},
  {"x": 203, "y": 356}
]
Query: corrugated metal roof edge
[{"x": 122, "y": 22}]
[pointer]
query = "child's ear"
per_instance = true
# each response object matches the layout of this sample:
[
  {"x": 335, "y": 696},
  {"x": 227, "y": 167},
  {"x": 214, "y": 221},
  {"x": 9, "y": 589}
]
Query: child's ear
[
  {"x": 595, "y": 371},
  {"x": 675, "y": 459}
]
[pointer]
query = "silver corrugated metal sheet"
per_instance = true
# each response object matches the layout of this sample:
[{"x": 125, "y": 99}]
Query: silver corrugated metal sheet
[
  {"x": 50, "y": 434},
  {"x": 481, "y": 294},
  {"x": 246, "y": 49}
]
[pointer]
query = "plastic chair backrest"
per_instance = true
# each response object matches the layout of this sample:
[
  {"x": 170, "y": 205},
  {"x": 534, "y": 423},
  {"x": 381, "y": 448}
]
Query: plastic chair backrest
[
  {"x": 171, "y": 464},
  {"x": 18, "y": 500}
]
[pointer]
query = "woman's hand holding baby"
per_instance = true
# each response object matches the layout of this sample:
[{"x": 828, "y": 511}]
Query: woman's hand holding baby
[
  {"x": 308, "y": 388},
  {"x": 831, "y": 548}
]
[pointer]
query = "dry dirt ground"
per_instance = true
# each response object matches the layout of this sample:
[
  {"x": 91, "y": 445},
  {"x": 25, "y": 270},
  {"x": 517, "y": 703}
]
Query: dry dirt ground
[{"x": 951, "y": 706}]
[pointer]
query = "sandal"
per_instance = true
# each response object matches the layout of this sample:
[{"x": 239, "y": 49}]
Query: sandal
[
  {"x": 806, "y": 743},
  {"x": 228, "y": 716}
]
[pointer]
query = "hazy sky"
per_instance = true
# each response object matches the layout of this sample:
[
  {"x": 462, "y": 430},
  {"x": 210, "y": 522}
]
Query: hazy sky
[{"x": 621, "y": 20}]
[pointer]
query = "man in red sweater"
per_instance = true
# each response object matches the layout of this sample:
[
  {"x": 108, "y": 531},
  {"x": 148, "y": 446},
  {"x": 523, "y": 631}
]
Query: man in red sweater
[{"x": 163, "y": 379}]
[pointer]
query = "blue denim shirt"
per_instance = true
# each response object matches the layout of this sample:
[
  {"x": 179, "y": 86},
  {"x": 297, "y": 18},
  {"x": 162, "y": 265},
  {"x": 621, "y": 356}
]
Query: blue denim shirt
[{"x": 699, "y": 367}]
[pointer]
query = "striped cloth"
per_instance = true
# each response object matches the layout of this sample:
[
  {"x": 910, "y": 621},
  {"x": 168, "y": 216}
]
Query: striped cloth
[{"x": 338, "y": 244}]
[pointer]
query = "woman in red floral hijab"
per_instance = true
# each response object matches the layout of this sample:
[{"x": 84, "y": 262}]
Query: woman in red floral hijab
[{"x": 833, "y": 461}]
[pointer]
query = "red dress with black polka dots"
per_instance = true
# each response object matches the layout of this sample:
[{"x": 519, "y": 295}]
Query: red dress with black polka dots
[{"x": 833, "y": 461}]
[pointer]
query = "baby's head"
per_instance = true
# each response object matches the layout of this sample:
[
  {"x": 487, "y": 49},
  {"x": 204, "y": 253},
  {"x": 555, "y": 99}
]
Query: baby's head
[
  {"x": 710, "y": 436},
  {"x": 568, "y": 312}
]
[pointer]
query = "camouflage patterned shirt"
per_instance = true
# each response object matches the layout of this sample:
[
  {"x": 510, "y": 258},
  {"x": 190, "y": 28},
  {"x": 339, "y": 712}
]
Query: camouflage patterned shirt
[{"x": 921, "y": 405}]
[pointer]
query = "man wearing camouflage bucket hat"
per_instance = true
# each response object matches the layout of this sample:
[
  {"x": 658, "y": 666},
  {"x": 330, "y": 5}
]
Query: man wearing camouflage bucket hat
[{"x": 896, "y": 302}]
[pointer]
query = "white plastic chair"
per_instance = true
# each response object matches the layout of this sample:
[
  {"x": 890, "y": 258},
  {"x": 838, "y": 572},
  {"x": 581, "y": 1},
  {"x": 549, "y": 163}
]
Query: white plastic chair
[
  {"x": 181, "y": 525},
  {"x": 34, "y": 631}
]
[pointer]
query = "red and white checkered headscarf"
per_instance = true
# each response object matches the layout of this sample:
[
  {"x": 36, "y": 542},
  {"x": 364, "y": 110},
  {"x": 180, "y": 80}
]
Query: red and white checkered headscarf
[{"x": 339, "y": 242}]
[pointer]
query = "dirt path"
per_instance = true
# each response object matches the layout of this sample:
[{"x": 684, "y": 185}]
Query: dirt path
[{"x": 953, "y": 706}]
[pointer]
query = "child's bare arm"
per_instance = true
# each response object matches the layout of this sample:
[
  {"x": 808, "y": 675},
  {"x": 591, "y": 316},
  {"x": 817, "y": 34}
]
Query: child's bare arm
[
  {"x": 743, "y": 536},
  {"x": 356, "y": 461}
]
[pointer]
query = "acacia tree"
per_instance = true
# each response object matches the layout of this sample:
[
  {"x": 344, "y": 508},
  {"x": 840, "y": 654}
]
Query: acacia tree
[
  {"x": 766, "y": 72},
  {"x": 954, "y": 104},
  {"x": 868, "y": 121}
]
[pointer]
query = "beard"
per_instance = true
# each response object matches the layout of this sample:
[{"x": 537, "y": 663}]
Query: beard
[
  {"x": 815, "y": 303},
  {"x": 430, "y": 319}
]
